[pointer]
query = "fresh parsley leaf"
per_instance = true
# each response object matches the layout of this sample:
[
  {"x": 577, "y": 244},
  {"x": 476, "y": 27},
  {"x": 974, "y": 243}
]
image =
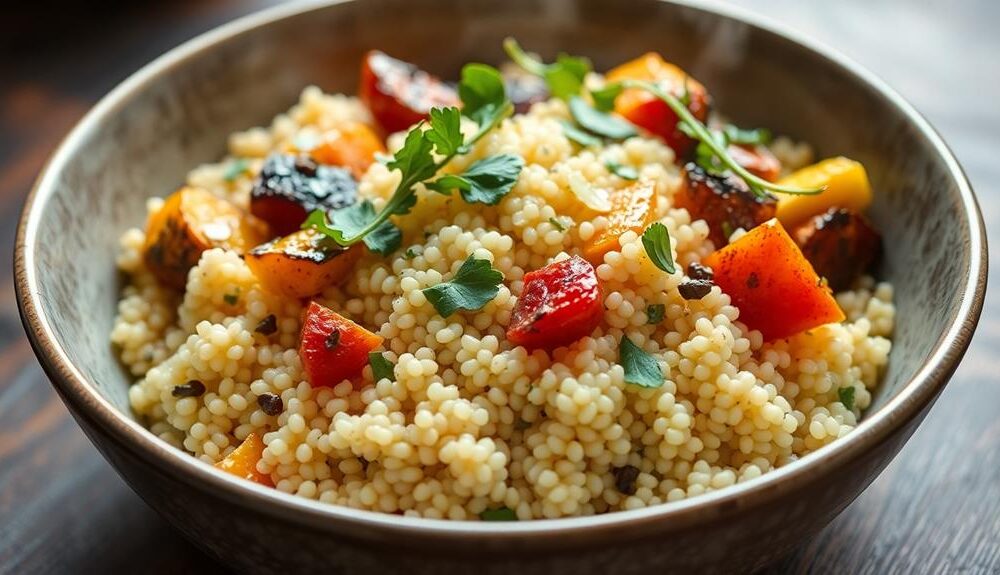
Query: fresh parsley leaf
[
  {"x": 622, "y": 171},
  {"x": 482, "y": 91},
  {"x": 737, "y": 135},
  {"x": 235, "y": 169},
  {"x": 578, "y": 136},
  {"x": 641, "y": 368},
  {"x": 414, "y": 159},
  {"x": 354, "y": 219},
  {"x": 558, "y": 225},
  {"x": 564, "y": 77},
  {"x": 486, "y": 181},
  {"x": 656, "y": 240},
  {"x": 846, "y": 396},
  {"x": 598, "y": 122},
  {"x": 382, "y": 368},
  {"x": 501, "y": 514},
  {"x": 474, "y": 285},
  {"x": 604, "y": 98},
  {"x": 410, "y": 253},
  {"x": 445, "y": 132},
  {"x": 655, "y": 313}
]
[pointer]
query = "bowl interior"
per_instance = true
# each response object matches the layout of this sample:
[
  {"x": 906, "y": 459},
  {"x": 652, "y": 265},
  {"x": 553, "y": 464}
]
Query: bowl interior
[{"x": 144, "y": 144}]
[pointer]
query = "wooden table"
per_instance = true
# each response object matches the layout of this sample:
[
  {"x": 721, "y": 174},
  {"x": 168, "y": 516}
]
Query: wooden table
[{"x": 936, "y": 509}]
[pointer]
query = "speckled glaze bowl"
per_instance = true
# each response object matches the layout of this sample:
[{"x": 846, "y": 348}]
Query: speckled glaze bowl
[{"x": 176, "y": 112}]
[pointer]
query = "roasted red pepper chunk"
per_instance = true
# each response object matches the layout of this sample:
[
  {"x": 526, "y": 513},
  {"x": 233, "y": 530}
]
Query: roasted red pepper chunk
[
  {"x": 560, "y": 303},
  {"x": 399, "y": 94},
  {"x": 333, "y": 348}
]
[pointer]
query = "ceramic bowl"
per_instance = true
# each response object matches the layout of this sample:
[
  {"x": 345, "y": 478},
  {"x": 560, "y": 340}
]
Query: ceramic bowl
[{"x": 175, "y": 113}]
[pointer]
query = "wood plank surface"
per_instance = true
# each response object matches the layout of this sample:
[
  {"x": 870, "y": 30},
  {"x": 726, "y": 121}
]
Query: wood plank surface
[{"x": 936, "y": 509}]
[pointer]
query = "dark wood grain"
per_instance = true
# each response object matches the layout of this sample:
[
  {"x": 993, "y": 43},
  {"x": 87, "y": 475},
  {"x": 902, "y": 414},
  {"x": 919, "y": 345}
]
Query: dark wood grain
[{"x": 936, "y": 509}]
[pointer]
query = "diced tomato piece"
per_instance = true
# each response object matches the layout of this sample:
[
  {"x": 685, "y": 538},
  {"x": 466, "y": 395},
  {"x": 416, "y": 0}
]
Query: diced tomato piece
[
  {"x": 242, "y": 461},
  {"x": 352, "y": 146},
  {"x": 772, "y": 283},
  {"x": 399, "y": 94},
  {"x": 757, "y": 160},
  {"x": 647, "y": 111},
  {"x": 560, "y": 303},
  {"x": 632, "y": 208},
  {"x": 333, "y": 348}
]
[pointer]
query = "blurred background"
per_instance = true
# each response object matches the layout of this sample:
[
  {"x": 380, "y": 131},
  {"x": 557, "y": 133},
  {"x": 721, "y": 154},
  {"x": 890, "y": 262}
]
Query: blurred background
[{"x": 936, "y": 509}]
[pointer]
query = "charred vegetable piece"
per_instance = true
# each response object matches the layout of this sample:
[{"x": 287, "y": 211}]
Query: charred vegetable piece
[
  {"x": 560, "y": 303},
  {"x": 523, "y": 89},
  {"x": 352, "y": 146},
  {"x": 333, "y": 348},
  {"x": 839, "y": 244},
  {"x": 647, "y": 111},
  {"x": 772, "y": 283},
  {"x": 399, "y": 94},
  {"x": 758, "y": 160},
  {"x": 242, "y": 461},
  {"x": 632, "y": 208},
  {"x": 289, "y": 187},
  {"x": 302, "y": 263},
  {"x": 846, "y": 187},
  {"x": 191, "y": 221},
  {"x": 725, "y": 202}
]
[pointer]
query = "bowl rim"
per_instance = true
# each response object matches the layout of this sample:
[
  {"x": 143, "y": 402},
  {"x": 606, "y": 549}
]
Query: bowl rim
[{"x": 875, "y": 427}]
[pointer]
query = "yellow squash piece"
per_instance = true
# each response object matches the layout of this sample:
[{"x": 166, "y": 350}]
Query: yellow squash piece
[
  {"x": 191, "y": 221},
  {"x": 242, "y": 462},
  {"x": 632, "y": 208},
  {"x": 846, "y": 187},
  {"x": 302, "y": 263}
]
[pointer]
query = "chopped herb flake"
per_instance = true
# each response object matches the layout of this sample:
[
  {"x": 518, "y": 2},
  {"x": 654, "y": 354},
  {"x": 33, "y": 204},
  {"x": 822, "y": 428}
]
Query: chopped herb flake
[
  {"x": 578, "y": 136},
  {"x": 641, "y": 368},
  {"x": 656, "y": 240},
  {"x": 846, "y": 397},
  {"x": 655, "y": 313},
  {"x": 501, "y": 514},
  {"x": 382, "y": 368},
  {"x": 557, "y": 224},
  {"x": 598, "y": 122},
  {"x": 235, "y": 169},
  {"x": 622, "y": 171},
  {"x": 474, "y": 285}
]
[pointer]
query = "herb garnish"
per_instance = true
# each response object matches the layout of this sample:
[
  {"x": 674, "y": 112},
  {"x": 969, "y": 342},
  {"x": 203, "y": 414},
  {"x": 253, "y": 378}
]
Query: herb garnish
[
  {"x": 622, "y": 171},
  {"x": 410, "y": 253},
  {"x": 656, "y": 240},
  {"x": 486, "y": 181},
  {"x": 501, "y": 514},
  {"x": 235, "y": 169},
  {"x": 564, "y": 77},
  {"x": 641, "y": 368},
  {"x": 474, "y": 285},
  {"x": 574, "y": 134},
  {"x": 655, "y": 313},
  {"x": 484, "y": 101},
  {"x": 846, "y": 397},
  {"x": 598, "y": 122},
  {"x": 381, "y": 367},
  {"x": 558, "y": 225}
]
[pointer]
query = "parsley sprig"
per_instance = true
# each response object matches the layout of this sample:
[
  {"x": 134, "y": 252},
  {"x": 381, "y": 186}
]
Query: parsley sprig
[
  {"x": 474, "y": 285},
  {"x": 694, "y": 128},
  {"x": 484, "y": 100}
]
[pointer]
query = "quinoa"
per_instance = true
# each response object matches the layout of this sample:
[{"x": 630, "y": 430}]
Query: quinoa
[{"x": 472, "y": 423}]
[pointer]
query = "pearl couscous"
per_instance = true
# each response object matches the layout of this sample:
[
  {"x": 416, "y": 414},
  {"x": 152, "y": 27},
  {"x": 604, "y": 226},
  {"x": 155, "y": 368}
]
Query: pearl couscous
[{"x": 469, "y": 418}]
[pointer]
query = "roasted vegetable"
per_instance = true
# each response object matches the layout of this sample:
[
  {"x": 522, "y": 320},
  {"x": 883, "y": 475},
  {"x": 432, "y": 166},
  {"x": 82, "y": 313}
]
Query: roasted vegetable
[
  {"x": 191, "y": 221},
  {"x": 632, "y": 208},
  {"x": 399, "y": 94},
  {"x": 839, "y": 244},
  {"x": 352, "y": 146},
  {"x": 758, "y": 160},
  {"x": 242, "y": 461},
  {"x": 725, "y": 202},
  {"x": 846, "y": 187},
  {"x": 333, "y": 348},
  {"x": 302, "y": 263},
  {"x": 772, "y": 283},
  {"x": 289, "y": 187},
  {"x": 647, "y": 111},
  {"x": 559, "y": 304}
]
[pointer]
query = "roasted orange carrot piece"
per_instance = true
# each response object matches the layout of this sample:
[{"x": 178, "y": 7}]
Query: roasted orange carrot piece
[
  {"x": 301, "y": 264},
  {"x": 242, "y": 462},
  {"x": 352, "y": 146},
  {"x": 333, "y": 348},
  {"x": 772, "y": 283},
  {"x": 632, "y": 208}
]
